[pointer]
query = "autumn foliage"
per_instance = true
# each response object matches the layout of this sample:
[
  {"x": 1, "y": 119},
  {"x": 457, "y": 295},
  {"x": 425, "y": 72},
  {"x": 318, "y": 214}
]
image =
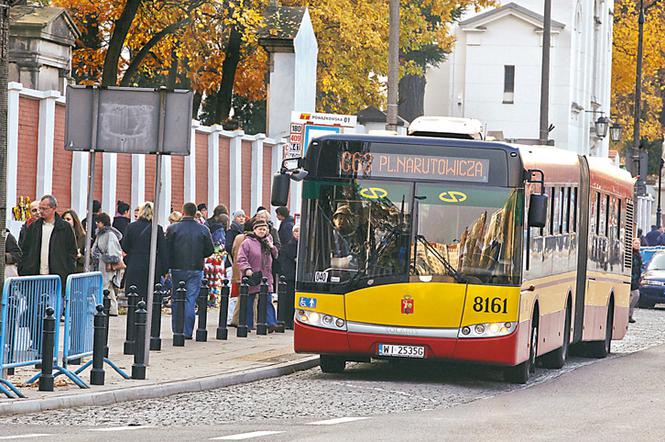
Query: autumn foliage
[
  {"x": 187, "y": 43},
  {"x": 624, "y": 67}
]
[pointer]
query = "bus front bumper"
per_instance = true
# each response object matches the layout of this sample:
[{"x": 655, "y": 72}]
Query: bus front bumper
[{"x": 496, "y": 351}]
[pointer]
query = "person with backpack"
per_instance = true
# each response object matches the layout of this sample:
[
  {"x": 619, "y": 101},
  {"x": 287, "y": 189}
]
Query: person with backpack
[{"x": 217, "y": 225}]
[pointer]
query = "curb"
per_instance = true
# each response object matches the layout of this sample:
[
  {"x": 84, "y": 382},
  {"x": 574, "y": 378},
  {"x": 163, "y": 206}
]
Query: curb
[{"x": 156, "y": 390}]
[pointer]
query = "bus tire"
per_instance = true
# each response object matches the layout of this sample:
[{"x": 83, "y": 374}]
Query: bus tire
[
  {"x": 519, "y": 374},
  {"x": 557, "y": 358},
  {"x": 600, "y": 349},
  {"x": 332, "y": 364}
]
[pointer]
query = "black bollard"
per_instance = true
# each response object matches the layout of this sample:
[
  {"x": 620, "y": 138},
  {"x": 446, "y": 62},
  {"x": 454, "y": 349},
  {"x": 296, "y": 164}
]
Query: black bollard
[
  {"x": 282, "y": 305},
  {"x": 48, "y": 344},
  {"x": 241, "y": 332},
  {"x": 222, "y": 331},
  {"x": 262, "y": 309},
  {"x": 179, "y": 304},
  {"x": 156, "y": 322},
  {"x": 202, "y": 320},
  {"x": 98, "y": 344},
  {"x": 132, "y": 299},
  {"x": 138, "y": 368},
  {"x": 107, "y": 324}
]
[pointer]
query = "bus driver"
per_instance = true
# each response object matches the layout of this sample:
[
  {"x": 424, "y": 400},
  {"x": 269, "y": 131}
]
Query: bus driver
[{"x": 343, "y": 222}]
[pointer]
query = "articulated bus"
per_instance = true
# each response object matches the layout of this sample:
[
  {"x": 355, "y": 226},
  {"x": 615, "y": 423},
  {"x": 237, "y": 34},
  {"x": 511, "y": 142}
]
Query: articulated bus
[{"x": 434, "y": 248}]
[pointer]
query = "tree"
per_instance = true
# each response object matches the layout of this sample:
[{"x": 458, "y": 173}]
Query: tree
[{"x": 624, "y": 63}]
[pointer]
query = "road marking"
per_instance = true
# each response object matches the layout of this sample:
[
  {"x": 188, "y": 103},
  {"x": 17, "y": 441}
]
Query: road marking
[
  {"x": 243, "y": 436},
  {"x": 129, "y": 427},
  {"x": 339, "y": 420},
  {"x": 24, "y": 436}
]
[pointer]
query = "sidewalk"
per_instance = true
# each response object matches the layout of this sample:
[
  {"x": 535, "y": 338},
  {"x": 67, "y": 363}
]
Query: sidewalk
[{"x": 197, "y": 366}]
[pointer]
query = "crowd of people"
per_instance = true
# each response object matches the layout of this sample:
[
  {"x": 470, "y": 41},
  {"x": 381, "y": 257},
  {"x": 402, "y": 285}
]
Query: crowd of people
[{"x": 53, "y": 243}]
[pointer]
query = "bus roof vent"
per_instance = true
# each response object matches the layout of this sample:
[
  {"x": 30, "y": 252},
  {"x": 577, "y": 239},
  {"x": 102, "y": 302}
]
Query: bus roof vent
[{"x": 447, "y": 127}]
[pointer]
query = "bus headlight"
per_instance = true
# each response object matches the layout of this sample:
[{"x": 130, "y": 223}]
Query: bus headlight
[
  {"x": 487, "y": 330},
  {"x": 320, "y": 320}
]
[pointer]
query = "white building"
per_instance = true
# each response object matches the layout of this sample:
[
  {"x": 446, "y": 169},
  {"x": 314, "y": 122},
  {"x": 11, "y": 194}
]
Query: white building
[{"x": 494, "y": 72}]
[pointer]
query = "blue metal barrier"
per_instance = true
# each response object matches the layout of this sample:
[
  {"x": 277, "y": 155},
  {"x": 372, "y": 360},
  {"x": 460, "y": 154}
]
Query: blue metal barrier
[
  {"x": 83, "y": 293},
  {"x": 22, "y": 310}
]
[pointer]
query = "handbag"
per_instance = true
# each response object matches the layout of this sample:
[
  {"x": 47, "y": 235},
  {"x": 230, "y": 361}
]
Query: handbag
[
  {"x": 112, "y": 267},
  {"x": 255, "y": 279}
]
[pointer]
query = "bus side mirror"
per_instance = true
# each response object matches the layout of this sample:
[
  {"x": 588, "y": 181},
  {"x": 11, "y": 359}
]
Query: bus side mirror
[
  {"x": 281, "y": 183},
  {"x": 537, "y": 210}
]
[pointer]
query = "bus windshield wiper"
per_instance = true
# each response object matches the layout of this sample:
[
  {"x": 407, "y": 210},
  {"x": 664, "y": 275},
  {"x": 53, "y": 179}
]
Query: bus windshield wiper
[{"x": 446, "y": 264}]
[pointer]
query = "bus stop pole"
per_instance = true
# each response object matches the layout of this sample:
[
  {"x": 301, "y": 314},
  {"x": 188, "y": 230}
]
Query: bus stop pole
[
  {"x": 90, "y": 223},
  {"x": 155, "y": 218}
]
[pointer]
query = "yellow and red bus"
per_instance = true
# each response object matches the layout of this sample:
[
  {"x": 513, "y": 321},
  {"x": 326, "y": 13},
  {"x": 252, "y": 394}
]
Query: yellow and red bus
[{"x": 419, "y": 247}]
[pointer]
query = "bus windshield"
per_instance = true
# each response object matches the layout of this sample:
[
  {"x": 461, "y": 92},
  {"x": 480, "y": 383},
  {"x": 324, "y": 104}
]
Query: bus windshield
[
  {"x": 467, "y": 231},
  {"x": 361, "y": 232}
]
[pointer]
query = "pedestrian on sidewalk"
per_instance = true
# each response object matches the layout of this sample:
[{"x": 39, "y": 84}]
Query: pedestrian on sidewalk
[
  {"x": 121, "y": 219},
  {"x": 96, "y": 208},
  {"x": 287, "y": 257},
  {"x": 255, "y": 258},
  {"x": 236, "y": 276},
  {"x": 34, "y": 216},
  {"x": 286, "y": 224},
  {"x": 237, "y": 228},
  {"x": 636, "y": 275},
  {"x": 136, "y": 245},
  {"x": 189, "y": 243},
  {"x": 107, "y": 258},
  {"x": 49, "y": 246},
  {"x": 216, "y": 225},
  {"x": 79, "y": 233},
  {"x": 13, "y": 255}
]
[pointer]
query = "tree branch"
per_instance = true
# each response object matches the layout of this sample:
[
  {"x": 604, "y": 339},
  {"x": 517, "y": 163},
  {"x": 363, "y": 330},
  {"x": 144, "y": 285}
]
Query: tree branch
[
  {"x": 117, "y": 42},
  {"x": 145, "y": 50}
]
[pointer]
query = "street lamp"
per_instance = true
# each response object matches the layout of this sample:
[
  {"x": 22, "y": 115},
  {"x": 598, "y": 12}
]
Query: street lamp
[
  {"x": 615, "y": 132},
  {"x": 602, "y": 124}
]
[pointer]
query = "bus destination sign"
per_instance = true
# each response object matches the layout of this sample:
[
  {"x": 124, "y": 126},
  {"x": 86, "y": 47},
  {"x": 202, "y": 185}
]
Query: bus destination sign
[{"x": 391, "y": 165}]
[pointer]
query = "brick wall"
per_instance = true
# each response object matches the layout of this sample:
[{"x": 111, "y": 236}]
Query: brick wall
[
  {"x": 267, "y": 174},
  {"x": 150, "y": 167},
  {"x": 246, "y": 177},
  {"x": 201, "y": 168},
  {"x": 62, "y": 162},
  {"x": 123, "y": 184},
  {"x": 224, "y": 182},
  {"x": 28, "y": 129},
  {"x": 177, "y": 182}
]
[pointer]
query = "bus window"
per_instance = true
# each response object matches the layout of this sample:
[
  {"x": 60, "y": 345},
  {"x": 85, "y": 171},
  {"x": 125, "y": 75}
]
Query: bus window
[
  {"x": 552, "y": 206},
  {"x": 608, "y": 210},
  {"x": 568, "y": 220},
  {"x": 357, "y": 229},
  {"x": 472, "y": 230},
  {"x": 597, "y": 217},
  {"x": 619, "y": 236},
  {"x": 574, "y": 204},
  {"x": 561, "y": 205}
]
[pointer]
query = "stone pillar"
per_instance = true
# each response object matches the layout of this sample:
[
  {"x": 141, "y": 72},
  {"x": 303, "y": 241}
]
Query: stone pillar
[
  {"x": 257, "y": 171},
  {"x": 235, "y": 171},
  {"x": 109, "y": 174},
  {"x": 190, "y": 168},
  {"x": 14, "y": 90},
  {"x": 45, "y": 142},
  {"x": 138, "y": 181}
]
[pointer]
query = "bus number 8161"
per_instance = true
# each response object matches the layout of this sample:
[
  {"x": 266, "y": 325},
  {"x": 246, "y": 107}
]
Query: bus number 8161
[{"x": 490, "y": 305}]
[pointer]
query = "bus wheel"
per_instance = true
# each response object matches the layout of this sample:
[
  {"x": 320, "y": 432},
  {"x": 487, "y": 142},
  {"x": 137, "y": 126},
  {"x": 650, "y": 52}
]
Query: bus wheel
[
  {"x": 332, "y": 364},
  {"x": 519, "y": 374},
  {"x": 557, "y": 358},
  {"x": 600, "y": 349}
]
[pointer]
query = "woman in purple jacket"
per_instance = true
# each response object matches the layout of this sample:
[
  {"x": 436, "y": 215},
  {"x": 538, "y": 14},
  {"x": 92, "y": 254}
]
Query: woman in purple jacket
[{"x": 255, "y": 255}]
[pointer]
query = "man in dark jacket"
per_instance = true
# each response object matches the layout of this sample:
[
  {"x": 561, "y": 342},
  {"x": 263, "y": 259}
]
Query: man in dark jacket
[
  {"x": 49, "y": 246},
  {"x": 188, "y": 243},
  {"x": 121, "y": 220},
  {"x": 285, "y": 226},
  {"x": 652, "y": 236},
  {"x": 287, "y": 258},
  {"x": 636, "y": 275}
]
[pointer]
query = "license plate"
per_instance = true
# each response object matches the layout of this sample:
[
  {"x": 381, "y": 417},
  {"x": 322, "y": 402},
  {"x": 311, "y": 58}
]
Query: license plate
[{"x": 402, "y": 351}]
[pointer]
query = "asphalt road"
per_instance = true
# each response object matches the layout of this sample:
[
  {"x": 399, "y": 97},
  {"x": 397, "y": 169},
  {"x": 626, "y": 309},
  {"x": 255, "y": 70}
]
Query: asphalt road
[{"x": 614, "y": 398}]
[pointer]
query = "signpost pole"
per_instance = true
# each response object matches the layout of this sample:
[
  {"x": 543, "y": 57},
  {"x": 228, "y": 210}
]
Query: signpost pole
[
  {"x": 155, "y": 217},
  {"x": 91, "y": 179}
]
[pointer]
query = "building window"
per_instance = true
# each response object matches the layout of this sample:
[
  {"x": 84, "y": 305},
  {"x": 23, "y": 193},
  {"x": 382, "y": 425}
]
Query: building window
[{"x": 509, "y": 84}]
